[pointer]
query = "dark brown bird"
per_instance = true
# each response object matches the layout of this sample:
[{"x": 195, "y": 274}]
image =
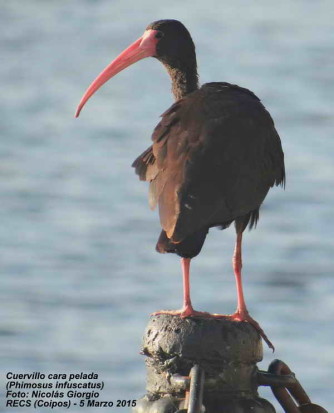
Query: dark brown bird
[{"x": 215, "y": 155}]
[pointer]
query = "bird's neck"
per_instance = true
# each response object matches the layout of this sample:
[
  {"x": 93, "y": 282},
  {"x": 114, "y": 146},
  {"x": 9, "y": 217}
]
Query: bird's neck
[{"x": 184, "y": 80}]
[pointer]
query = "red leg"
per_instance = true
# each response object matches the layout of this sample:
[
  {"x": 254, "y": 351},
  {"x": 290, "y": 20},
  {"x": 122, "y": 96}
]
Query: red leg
[
  {"x": 241, "y": 313},
  {"x": 187, "y": 309},
  {"x": 237, "y": 266}
]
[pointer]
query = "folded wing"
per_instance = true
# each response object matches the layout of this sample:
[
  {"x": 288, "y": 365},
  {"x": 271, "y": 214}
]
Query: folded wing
[{"x": 215, "y": 155}]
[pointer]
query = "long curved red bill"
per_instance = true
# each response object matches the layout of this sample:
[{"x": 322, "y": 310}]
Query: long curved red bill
[{"x": 145, "y": 46}]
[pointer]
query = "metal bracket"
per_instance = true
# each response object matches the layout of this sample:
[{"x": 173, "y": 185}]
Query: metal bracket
[
  {"x": 194, "y": 394},
  {"x": 284, "y": 385},
  {"x": 287, "y": 389}
]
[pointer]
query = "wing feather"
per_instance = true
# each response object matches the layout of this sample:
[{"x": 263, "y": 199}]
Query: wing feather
[{"x": 215, "y": 155}]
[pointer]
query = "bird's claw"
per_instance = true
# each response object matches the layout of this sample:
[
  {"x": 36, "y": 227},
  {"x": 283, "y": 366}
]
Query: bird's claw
[
  {"x": 184, "y": 313},
  {"x": 237, "y": 316},
  {"x": 244, "y": 316}
]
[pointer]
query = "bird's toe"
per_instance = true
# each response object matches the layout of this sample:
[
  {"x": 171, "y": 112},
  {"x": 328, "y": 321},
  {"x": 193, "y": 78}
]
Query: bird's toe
[{"x": 244, "y": 316}]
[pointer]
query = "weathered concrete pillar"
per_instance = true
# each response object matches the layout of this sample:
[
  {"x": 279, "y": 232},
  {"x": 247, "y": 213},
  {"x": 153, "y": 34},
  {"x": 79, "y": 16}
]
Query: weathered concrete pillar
[{"x": 227, "y": 351}]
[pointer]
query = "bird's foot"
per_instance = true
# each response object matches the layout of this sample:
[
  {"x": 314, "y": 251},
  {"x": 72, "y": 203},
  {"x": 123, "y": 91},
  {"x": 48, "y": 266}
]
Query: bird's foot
[
  {"x": 244, "y": 316},
  {"x": 185, "y": 312}
]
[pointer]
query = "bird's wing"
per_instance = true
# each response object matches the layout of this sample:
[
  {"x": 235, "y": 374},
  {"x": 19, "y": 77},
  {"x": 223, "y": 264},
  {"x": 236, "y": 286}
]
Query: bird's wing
[
  {"x": 145, "y": 165},
  {"x": 215, "y": 154}
]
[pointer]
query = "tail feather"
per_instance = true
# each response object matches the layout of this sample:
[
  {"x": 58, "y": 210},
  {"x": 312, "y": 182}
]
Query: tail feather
[
  {"x": 187, "y": 248},
  {"x": 250, "y": 219}
]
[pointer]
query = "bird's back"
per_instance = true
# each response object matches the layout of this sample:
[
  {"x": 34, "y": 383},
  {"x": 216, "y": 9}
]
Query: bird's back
[{"x": 215, "y": 155}]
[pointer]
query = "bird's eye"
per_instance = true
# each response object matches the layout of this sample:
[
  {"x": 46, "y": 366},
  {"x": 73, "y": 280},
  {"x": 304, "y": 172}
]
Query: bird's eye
[{"x": 159, "y": 35}]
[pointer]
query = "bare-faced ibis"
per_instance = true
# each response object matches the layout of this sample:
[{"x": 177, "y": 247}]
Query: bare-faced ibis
[{"x": 214, "y": 157}]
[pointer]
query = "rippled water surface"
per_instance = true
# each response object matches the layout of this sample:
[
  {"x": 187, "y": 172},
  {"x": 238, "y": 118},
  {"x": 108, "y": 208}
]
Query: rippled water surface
[{"x": 79, "y": 274}]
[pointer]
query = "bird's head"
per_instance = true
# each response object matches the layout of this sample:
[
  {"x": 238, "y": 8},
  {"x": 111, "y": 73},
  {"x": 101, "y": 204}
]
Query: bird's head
[
  {"x": 167, "y": 40},
  {"x": 175, "y": 47}
]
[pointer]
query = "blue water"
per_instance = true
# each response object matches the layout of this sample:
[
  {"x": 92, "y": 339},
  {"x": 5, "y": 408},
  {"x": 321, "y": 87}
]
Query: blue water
[{"x": 79, "y": 274}]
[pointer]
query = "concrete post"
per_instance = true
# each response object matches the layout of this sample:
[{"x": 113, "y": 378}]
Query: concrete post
[{"x": 226, "y": 350}]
